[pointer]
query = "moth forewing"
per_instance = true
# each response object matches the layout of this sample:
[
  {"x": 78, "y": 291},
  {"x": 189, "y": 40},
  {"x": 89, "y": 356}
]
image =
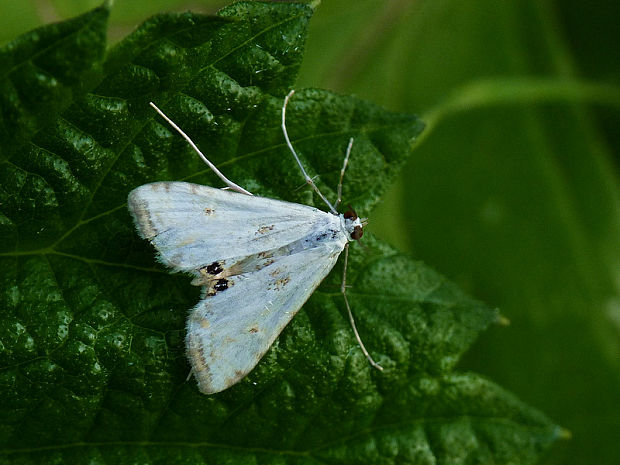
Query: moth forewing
[{"x": 192, "y": 226}]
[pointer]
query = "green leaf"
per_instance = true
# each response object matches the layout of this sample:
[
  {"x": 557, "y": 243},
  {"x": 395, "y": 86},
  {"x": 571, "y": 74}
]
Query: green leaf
[
  {"x": 42, "y": 72},
  {"x": 92, "y": 364}
]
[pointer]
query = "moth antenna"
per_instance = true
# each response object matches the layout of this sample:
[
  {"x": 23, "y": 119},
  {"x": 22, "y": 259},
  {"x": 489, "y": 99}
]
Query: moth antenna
[
  {"x": 344, "y": 167},
  {"x": 231, "y": 185},
  {"x": 343, "y": 290},
  {"x": 308, "y": 179}
]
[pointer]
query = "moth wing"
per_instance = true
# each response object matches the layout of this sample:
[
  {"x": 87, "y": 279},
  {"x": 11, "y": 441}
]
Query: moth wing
[
  {"x": 192, "y": 225},
  {"x": 229, "y": 332}
]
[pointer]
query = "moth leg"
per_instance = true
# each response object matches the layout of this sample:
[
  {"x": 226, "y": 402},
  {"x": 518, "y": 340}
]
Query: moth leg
[
  {"x": 314, "y": 178},
  {"x": 343, "y": 289},
  {"x": 308, "y": 179},
  {"x": 344, "y": 167}
]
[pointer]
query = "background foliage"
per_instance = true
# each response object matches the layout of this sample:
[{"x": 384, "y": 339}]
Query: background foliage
[{"x": 514, "y": 191}]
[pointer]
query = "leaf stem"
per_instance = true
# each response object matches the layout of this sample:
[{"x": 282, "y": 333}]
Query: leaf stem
[{"x": 518, "y": 91}]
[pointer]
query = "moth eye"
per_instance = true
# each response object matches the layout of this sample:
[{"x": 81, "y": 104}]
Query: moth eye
[
  {"x": 350, "y": 214},
  {"x": 357, "y": 233}
]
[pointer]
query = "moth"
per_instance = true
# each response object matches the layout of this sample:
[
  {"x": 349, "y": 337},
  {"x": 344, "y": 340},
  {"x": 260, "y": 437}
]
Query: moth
[{"x": 258, "y": 260}]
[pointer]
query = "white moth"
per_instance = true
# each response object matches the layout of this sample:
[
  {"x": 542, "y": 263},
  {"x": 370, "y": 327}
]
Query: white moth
[{"x": 257, "y": 259}]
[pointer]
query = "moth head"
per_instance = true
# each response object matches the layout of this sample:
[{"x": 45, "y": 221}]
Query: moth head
[{"x": 354, "y": 224}]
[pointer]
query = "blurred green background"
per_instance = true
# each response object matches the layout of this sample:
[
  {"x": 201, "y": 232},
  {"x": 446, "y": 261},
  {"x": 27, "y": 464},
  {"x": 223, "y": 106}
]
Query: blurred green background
[{"x": 513, "y": 190}]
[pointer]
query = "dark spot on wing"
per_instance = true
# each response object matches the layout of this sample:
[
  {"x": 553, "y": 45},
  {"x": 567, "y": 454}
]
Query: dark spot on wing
[
  {"x": 214, "y": 268},
  {"x": 262, "y": 265},
  {"x": 332, "y": 232},
  {"x": 254, "y": 329},
  {"x": 217, "y": 285},
  {"x": 220, "y": 285},
  {"x": 209, "y": 211},
  {"x": 278, "y": 284},
  {"x": 264, "y": 229}
]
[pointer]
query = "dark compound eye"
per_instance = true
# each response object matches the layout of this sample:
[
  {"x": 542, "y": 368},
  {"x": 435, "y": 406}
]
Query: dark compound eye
[
  {"x": 357, "y": 233},
  {"x": 221, "y": 285},
  {"x": 350, "y": 214}
]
